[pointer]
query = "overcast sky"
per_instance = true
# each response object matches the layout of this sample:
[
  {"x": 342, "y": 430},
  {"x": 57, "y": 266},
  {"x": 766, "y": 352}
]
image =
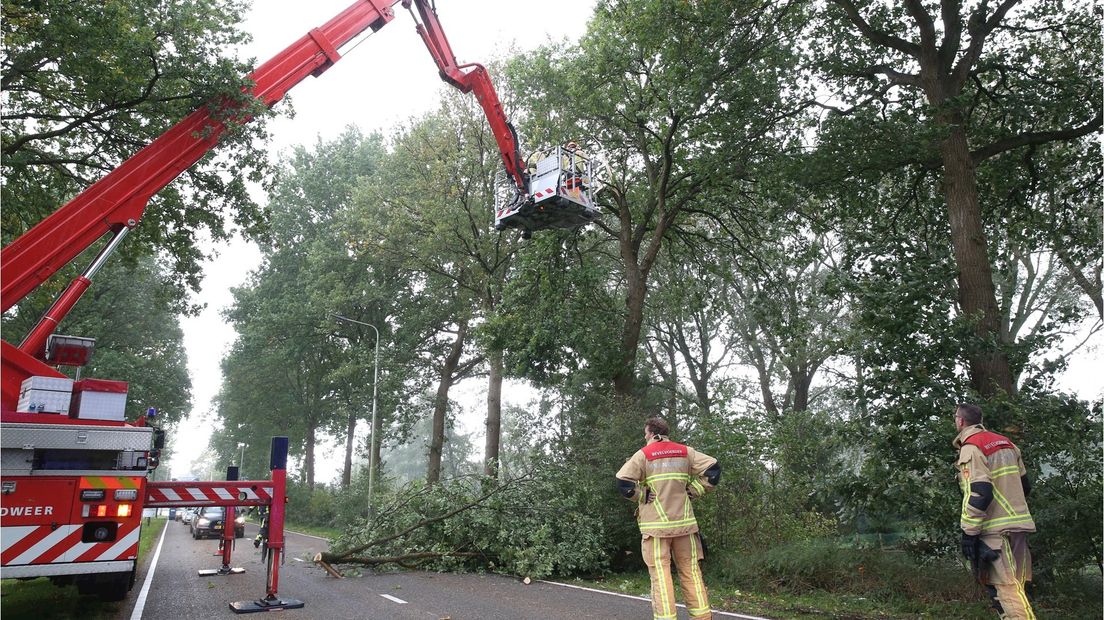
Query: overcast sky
[{"x": 382, "y": 80}]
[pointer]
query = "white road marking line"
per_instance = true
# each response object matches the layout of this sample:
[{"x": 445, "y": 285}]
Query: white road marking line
[
  {"x": 298, "y": 559},
  {"x": 644, "y": 598},
  {"x": 393, "y": 599},
  {"x": 141, "y": 604}
]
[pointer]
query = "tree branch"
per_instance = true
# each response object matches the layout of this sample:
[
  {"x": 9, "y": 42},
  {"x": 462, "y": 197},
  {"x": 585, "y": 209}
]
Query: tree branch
[
  {"x": 877, "y": 36},
  {"x": 1033, "y": 138}
]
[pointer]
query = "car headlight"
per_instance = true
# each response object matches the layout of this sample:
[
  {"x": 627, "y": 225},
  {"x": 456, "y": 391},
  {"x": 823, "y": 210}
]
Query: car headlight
[
  {"x": 240, "y": 520},
  {"x": 203, "y": 522}
]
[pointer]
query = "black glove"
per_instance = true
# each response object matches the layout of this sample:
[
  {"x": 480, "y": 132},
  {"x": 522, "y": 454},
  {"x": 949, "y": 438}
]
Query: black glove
[{"x": 969, "y": 546}]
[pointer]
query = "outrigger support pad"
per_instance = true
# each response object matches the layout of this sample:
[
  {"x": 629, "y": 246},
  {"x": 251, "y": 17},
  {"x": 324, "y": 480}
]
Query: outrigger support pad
[
  {"x": 265, "y": 604},
  {"x": 225, "y": 570}
]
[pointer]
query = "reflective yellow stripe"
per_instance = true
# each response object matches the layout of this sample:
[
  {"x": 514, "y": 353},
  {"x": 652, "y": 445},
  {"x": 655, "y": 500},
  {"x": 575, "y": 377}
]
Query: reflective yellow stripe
[
  {"x": 1004, "y": 503},
  {"x": 659, "y": 508},
  {"x": 661, "y": 575},
  {"x": 1017, "y": 578},
  {"x": 964, "y": 484},
  {"x": 651, "y": 525},
  {"x": 1006, "y": 521},
  {"x": 696, "y": 578},
  {"x": 674, "y": 476},
  {"x": 698, "y": 487},
  {"x": 1004, "y": 471}
]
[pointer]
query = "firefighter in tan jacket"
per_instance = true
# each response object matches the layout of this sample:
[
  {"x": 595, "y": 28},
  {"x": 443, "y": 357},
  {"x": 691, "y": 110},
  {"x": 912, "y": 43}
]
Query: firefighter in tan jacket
[
  {"x": 995, "y": 520},
  {"x": 663, "y": 478}
]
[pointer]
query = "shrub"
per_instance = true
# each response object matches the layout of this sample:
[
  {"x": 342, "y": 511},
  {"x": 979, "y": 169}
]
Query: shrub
[{"x": 829, "y": 566}]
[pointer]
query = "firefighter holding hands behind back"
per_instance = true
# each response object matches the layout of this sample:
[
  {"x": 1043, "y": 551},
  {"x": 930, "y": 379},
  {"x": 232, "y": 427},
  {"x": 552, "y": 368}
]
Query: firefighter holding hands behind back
[
  {"x": 662, "y": 478},
  {"x": 995, "y": 519}
]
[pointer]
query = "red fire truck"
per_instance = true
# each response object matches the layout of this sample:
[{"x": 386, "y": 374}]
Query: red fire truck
[{"x": 74, "y": 471}]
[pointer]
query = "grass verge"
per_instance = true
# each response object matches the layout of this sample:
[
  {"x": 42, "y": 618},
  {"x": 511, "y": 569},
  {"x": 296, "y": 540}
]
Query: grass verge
[
  {"x": 313, "y": 530},
  {"x": 801, "y": 606},
  {"x": 41, "y": 600},
  {"x": 820, "y": 579}
]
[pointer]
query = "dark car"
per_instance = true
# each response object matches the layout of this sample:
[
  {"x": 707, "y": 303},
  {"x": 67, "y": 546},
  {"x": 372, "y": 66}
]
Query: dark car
[{"x": 208, "y": 523}]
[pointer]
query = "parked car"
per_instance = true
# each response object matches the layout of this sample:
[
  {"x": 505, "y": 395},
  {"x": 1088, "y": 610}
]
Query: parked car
[
  {"x": 187, "y": 516},
  {"x": 208, "y": 522}
]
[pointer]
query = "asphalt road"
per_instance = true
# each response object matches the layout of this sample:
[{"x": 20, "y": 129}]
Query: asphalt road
[{"x": 177, "y": 591}]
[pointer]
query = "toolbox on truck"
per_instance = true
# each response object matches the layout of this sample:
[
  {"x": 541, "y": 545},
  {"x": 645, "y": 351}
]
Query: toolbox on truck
[{"x": 99, "y": 399}]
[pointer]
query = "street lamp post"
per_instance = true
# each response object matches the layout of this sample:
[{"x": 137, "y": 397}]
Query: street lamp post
[
  {"x": 241, "y": 459},
  {"x": 375, "y": 418}
]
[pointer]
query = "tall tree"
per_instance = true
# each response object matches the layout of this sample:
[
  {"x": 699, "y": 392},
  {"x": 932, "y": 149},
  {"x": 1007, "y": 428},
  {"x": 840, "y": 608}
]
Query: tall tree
[
  {"x": 643, "y": 88},
  {"x": 446, "y": 236},
  {"x": 306, "y": 275},
  {"x": 967, "y": 82}
]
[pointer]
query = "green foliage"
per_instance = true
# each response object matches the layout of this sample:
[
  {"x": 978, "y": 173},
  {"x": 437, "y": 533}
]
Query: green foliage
[
  {"x": 827, "y": 565},
  {"x": 318, "y": 506},
  {"x": 88, "y": 84},
  {"x": 535, "y": 526}
]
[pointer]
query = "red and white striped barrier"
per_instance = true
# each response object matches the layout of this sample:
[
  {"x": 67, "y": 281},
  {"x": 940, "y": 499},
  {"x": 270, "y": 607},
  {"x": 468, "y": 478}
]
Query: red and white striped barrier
[{"x": 235, "y": 493}]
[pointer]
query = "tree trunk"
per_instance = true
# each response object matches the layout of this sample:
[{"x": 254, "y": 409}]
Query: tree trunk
[
  {"x": 350, "y": 429},
  {"x": 672, "y": 395},
  {"x": 308, "y": 455},
  {"x": 802, "y": 380},
  {"x": 440, "y": 404},
  {"x": 988, "y": 363},
  {"x": 636, "y": 283},
  {"x": 494, "y": 413}
]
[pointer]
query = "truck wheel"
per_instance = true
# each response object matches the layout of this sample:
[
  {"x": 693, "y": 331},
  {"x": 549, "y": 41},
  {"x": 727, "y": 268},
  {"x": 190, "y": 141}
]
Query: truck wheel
[
  {"x": 114, "y": 590},
  {"x": 109, "y": 588}
]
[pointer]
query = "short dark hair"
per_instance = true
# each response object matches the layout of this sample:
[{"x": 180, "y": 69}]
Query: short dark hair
[
  {"x": 657, "y": 425},
  {"x": 970, "y": 413}
]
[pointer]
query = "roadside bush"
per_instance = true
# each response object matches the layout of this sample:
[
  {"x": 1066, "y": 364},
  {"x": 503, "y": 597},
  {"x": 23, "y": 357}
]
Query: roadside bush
[
  {"x": 832, "y": 567},
  {"x": 317, "y": 507}
]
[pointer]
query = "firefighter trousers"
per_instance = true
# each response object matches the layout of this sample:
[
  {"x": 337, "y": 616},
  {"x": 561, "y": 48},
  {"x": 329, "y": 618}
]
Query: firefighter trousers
[
  {"x": 687, "y": 553},
  {"x": 1006, "y": 576}
]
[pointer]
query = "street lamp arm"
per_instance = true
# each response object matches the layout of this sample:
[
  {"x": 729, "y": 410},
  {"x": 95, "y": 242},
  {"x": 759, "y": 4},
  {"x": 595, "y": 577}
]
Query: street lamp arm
[{"x": 372, "y": 465}]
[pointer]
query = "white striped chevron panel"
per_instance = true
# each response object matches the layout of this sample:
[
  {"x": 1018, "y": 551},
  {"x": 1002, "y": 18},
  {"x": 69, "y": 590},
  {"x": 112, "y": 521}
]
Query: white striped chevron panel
[
  {"x": 208, "y": 493},
  {"x": 41, "y": 544}
]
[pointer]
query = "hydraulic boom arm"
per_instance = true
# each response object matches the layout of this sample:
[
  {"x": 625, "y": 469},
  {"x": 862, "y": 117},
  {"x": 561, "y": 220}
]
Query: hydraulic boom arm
[{"x": 116, "y": 202}]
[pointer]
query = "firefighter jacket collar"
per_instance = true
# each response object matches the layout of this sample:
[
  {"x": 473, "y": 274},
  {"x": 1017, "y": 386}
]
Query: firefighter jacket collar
[{"x": 966, "y": 433}]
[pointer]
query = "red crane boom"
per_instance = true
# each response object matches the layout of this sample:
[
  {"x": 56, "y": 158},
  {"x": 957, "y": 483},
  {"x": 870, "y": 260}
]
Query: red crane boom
[{"x": 116, "y": 202}]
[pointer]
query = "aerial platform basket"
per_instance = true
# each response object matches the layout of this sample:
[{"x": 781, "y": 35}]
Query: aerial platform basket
[{"x": 561, "y": 194}]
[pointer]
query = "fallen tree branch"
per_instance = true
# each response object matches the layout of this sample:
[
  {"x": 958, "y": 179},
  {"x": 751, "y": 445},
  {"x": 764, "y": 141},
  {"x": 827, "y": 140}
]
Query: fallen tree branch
[
  {"x": 326, "y": 565},
  {"x": 348, "y": 553},
  {"x": 406, "y": 558}
]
